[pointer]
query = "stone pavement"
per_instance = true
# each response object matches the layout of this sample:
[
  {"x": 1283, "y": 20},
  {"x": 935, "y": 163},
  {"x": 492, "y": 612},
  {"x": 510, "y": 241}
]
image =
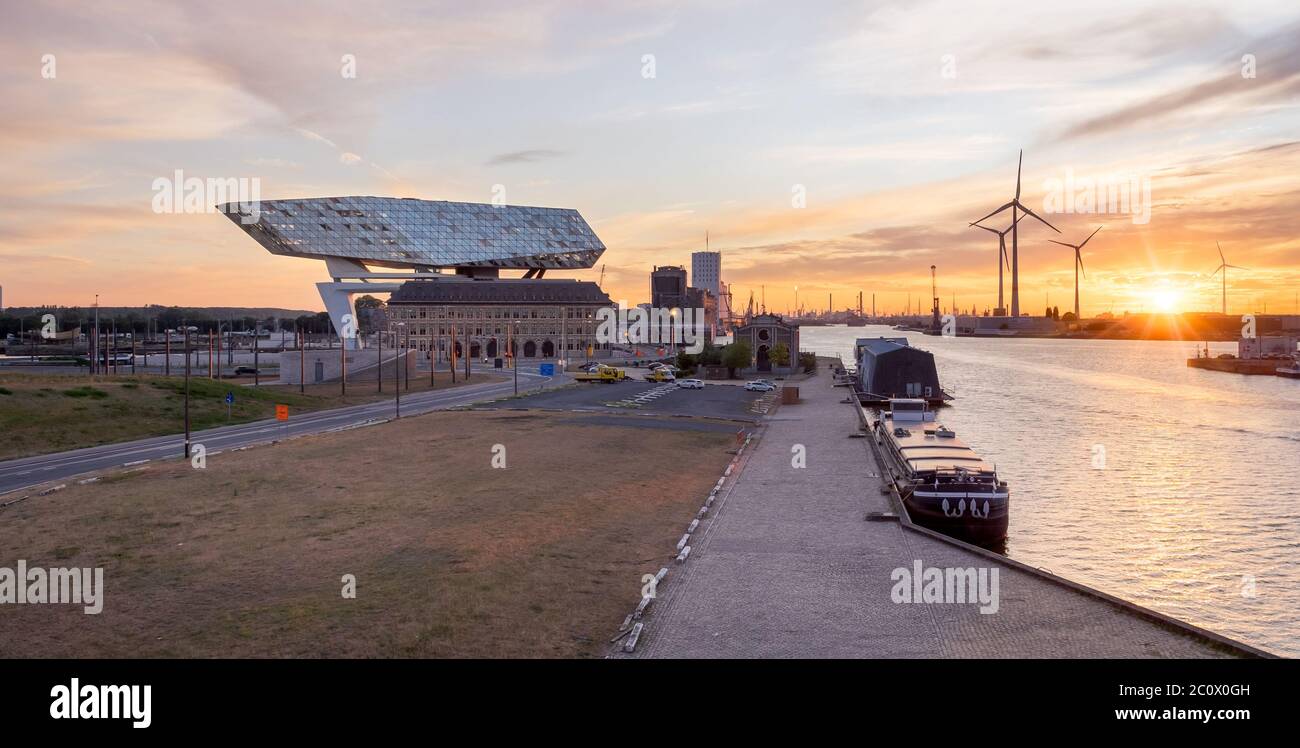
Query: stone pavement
[{"x": 788, "y": 566}]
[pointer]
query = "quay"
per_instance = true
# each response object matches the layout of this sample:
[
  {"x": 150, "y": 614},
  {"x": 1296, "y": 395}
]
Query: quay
[{"x": 799, "y": 562}]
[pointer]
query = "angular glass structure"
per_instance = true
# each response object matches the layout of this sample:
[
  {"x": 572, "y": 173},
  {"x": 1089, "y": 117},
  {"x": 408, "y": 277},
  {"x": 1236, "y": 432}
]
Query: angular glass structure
[
  {"x": 420, "y": 237},
  {"x": 408, "y": 233}
]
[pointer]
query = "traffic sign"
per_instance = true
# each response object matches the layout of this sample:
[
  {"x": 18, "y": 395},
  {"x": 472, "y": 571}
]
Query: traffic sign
[
  {"x": 282, "y": 412},
  {"x": 230, "y": 398},
  {"x": 546, "y": 370}
]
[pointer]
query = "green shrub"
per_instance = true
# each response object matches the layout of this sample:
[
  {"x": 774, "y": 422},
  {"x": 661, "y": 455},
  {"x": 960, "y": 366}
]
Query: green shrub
[{"x": 86, "y": 392}]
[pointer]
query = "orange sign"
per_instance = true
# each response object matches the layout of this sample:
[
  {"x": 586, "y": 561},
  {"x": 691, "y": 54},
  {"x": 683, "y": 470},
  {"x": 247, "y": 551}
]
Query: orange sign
[{"x": 282, "y": 412}]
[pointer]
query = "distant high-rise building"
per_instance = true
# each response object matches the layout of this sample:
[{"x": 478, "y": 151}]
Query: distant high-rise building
[
  {"x": 706, "y": 271},
  {"x": 668, "y": 286}
]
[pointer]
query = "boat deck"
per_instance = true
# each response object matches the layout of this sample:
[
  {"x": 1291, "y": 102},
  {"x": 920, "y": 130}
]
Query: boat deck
[{"x": 931, "y": 452}]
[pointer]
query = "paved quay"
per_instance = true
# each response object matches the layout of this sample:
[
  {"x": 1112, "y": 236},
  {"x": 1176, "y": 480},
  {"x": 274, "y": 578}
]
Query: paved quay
[{"x": 787, "y": 565}]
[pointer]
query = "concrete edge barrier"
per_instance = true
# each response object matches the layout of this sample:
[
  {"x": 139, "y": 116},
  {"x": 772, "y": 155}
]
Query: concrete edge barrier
[{"x": 632, "y": 638}]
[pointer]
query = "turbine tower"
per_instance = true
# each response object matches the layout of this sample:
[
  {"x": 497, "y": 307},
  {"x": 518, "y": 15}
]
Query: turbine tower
[
  {"x": 1015, "y": 206},
  {"x": 1001, "y": 311},
  {"x": 1223, "y": 265},
  {"x": 1078, "y": 265}
]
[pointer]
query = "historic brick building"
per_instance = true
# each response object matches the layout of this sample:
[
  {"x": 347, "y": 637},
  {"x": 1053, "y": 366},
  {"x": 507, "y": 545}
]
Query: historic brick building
[{"x": 546, "y": 318}]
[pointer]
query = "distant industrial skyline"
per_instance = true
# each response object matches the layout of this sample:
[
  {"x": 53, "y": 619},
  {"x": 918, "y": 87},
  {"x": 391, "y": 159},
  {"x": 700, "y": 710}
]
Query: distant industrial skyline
[{"x": 838, "y": 149}]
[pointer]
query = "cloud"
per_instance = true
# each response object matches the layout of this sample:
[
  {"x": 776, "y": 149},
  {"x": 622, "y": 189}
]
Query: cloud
[
  {"x": 523, "y": 157},
  {"x": 1277, "y": 59}
]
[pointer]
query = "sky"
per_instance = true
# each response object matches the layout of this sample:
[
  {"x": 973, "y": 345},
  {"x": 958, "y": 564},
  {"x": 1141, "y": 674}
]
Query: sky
[{"x": 836, "y": 147}]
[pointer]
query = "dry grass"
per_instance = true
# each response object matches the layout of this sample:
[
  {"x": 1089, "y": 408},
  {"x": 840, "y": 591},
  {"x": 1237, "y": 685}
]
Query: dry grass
[
  {"x": 453, "y": 558},
  {"x": 47, "y": 413}
]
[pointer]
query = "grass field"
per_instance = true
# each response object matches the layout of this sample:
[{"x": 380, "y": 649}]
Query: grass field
[
  {"x": 40, "y": 414},
  {"x": 452, "y": 557}
]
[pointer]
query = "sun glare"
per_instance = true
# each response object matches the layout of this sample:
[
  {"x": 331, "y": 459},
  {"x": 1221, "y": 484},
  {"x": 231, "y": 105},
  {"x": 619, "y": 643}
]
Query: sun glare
[{"x": 1166, "y": 300}]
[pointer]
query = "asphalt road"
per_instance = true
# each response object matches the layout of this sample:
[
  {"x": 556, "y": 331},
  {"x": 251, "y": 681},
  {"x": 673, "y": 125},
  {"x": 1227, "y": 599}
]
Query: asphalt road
[{"x": 30, "y": 471}]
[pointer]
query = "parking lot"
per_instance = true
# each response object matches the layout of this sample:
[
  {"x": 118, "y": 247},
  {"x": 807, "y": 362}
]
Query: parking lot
[{"x": 714, "y": 401}]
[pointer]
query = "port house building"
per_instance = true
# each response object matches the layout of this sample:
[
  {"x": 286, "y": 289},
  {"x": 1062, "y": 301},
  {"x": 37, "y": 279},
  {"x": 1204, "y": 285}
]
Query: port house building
[
  {"x": 441, "y": 263},
  {"x": 543, "y": 318}
]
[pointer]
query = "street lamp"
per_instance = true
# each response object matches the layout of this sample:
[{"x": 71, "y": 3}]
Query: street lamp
[
  {"x": 397, "y": 379},
  {"x": 187, "y": 330}
]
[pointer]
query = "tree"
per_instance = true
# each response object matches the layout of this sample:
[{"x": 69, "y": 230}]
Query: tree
[
  {"x": 685, "y": 361},
  {"x": 779, "y": 355},
  {"x": 736, "y": 356}
]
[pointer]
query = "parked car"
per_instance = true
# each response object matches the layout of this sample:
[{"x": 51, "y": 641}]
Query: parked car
[
  {"x": 690, "y": 384},
  {"x": 241, "y": 370},
  {"x": 759, "y": 386}
]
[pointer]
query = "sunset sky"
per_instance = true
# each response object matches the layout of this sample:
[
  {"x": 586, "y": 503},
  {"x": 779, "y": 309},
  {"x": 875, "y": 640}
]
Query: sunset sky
[{"x": 898, "y": 122}]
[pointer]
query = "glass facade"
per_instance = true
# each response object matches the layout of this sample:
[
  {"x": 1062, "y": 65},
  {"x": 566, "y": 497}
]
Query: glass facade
[{"x": 409, "y": 233}]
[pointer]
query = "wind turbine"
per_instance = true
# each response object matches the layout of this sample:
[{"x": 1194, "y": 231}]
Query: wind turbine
[
  {"x": 1223, "y": 265},
  {"x": 1015, "y": 205},
  {"x": 1002, "y": 250},
  {"x": 1078, "y": 265}
]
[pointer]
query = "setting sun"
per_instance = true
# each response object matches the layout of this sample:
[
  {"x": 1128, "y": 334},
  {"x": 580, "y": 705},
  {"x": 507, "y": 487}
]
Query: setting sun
[{"x": 1166, "y": 300}]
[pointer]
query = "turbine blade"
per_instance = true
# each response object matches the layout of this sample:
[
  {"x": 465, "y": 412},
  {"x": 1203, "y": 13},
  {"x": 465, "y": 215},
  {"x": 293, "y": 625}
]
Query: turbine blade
[
  {"x": 1019, "y": 163},
  {"x": 1079, "y": 256},
  {"x": 1035, "y": 215},
  {"x": 1063, "y": 244},
  {"x": 1085, "y": 241},
  {"x": 1236, "y": 267},
  {"x": 994, "y": 213},
  {"x": 1216, "y": 270},
  {"x": 1221, "y": 257}
]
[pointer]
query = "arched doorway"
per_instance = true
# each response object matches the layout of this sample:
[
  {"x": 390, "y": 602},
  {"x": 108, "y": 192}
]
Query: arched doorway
[
  {"x": 475, "y": 350},
  {"x": 492, "y": 348},
  {"x": 764, "y": 363},
  {"x": 548, "y": 349},
  {"x": 530, "y": 349},
  {"x": 458, "y": 349}
]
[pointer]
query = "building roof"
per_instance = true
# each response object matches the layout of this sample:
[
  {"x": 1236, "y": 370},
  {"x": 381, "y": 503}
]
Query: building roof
[
  {"x": 409, "y": 233},
  {"x": 880, "y": 345},
  {"x": 768, "y": 320},
  {"x": 500, "y": 291}
]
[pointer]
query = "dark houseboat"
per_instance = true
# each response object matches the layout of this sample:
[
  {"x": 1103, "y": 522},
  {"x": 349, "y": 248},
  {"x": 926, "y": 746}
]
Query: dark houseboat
[{"x": 890, "y": 368}]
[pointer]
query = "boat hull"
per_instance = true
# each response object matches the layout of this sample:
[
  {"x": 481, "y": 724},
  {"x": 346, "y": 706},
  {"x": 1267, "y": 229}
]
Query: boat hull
[{"x": 962, "y": 515}]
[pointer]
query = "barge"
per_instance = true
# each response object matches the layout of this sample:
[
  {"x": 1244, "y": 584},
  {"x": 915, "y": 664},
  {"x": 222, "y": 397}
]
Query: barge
[{"x": 944, "y": 485}]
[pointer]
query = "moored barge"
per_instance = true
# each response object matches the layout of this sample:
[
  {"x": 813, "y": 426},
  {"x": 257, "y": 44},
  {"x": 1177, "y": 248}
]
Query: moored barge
[{"x": 944, "y": 485}]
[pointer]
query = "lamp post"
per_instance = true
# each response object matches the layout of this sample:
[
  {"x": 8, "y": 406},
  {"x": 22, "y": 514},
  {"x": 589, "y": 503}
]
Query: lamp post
[
  {"x": 397, "y": 383},
  {"x": 188, "y": 330},
  {"x": 257, "y": 331}
]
